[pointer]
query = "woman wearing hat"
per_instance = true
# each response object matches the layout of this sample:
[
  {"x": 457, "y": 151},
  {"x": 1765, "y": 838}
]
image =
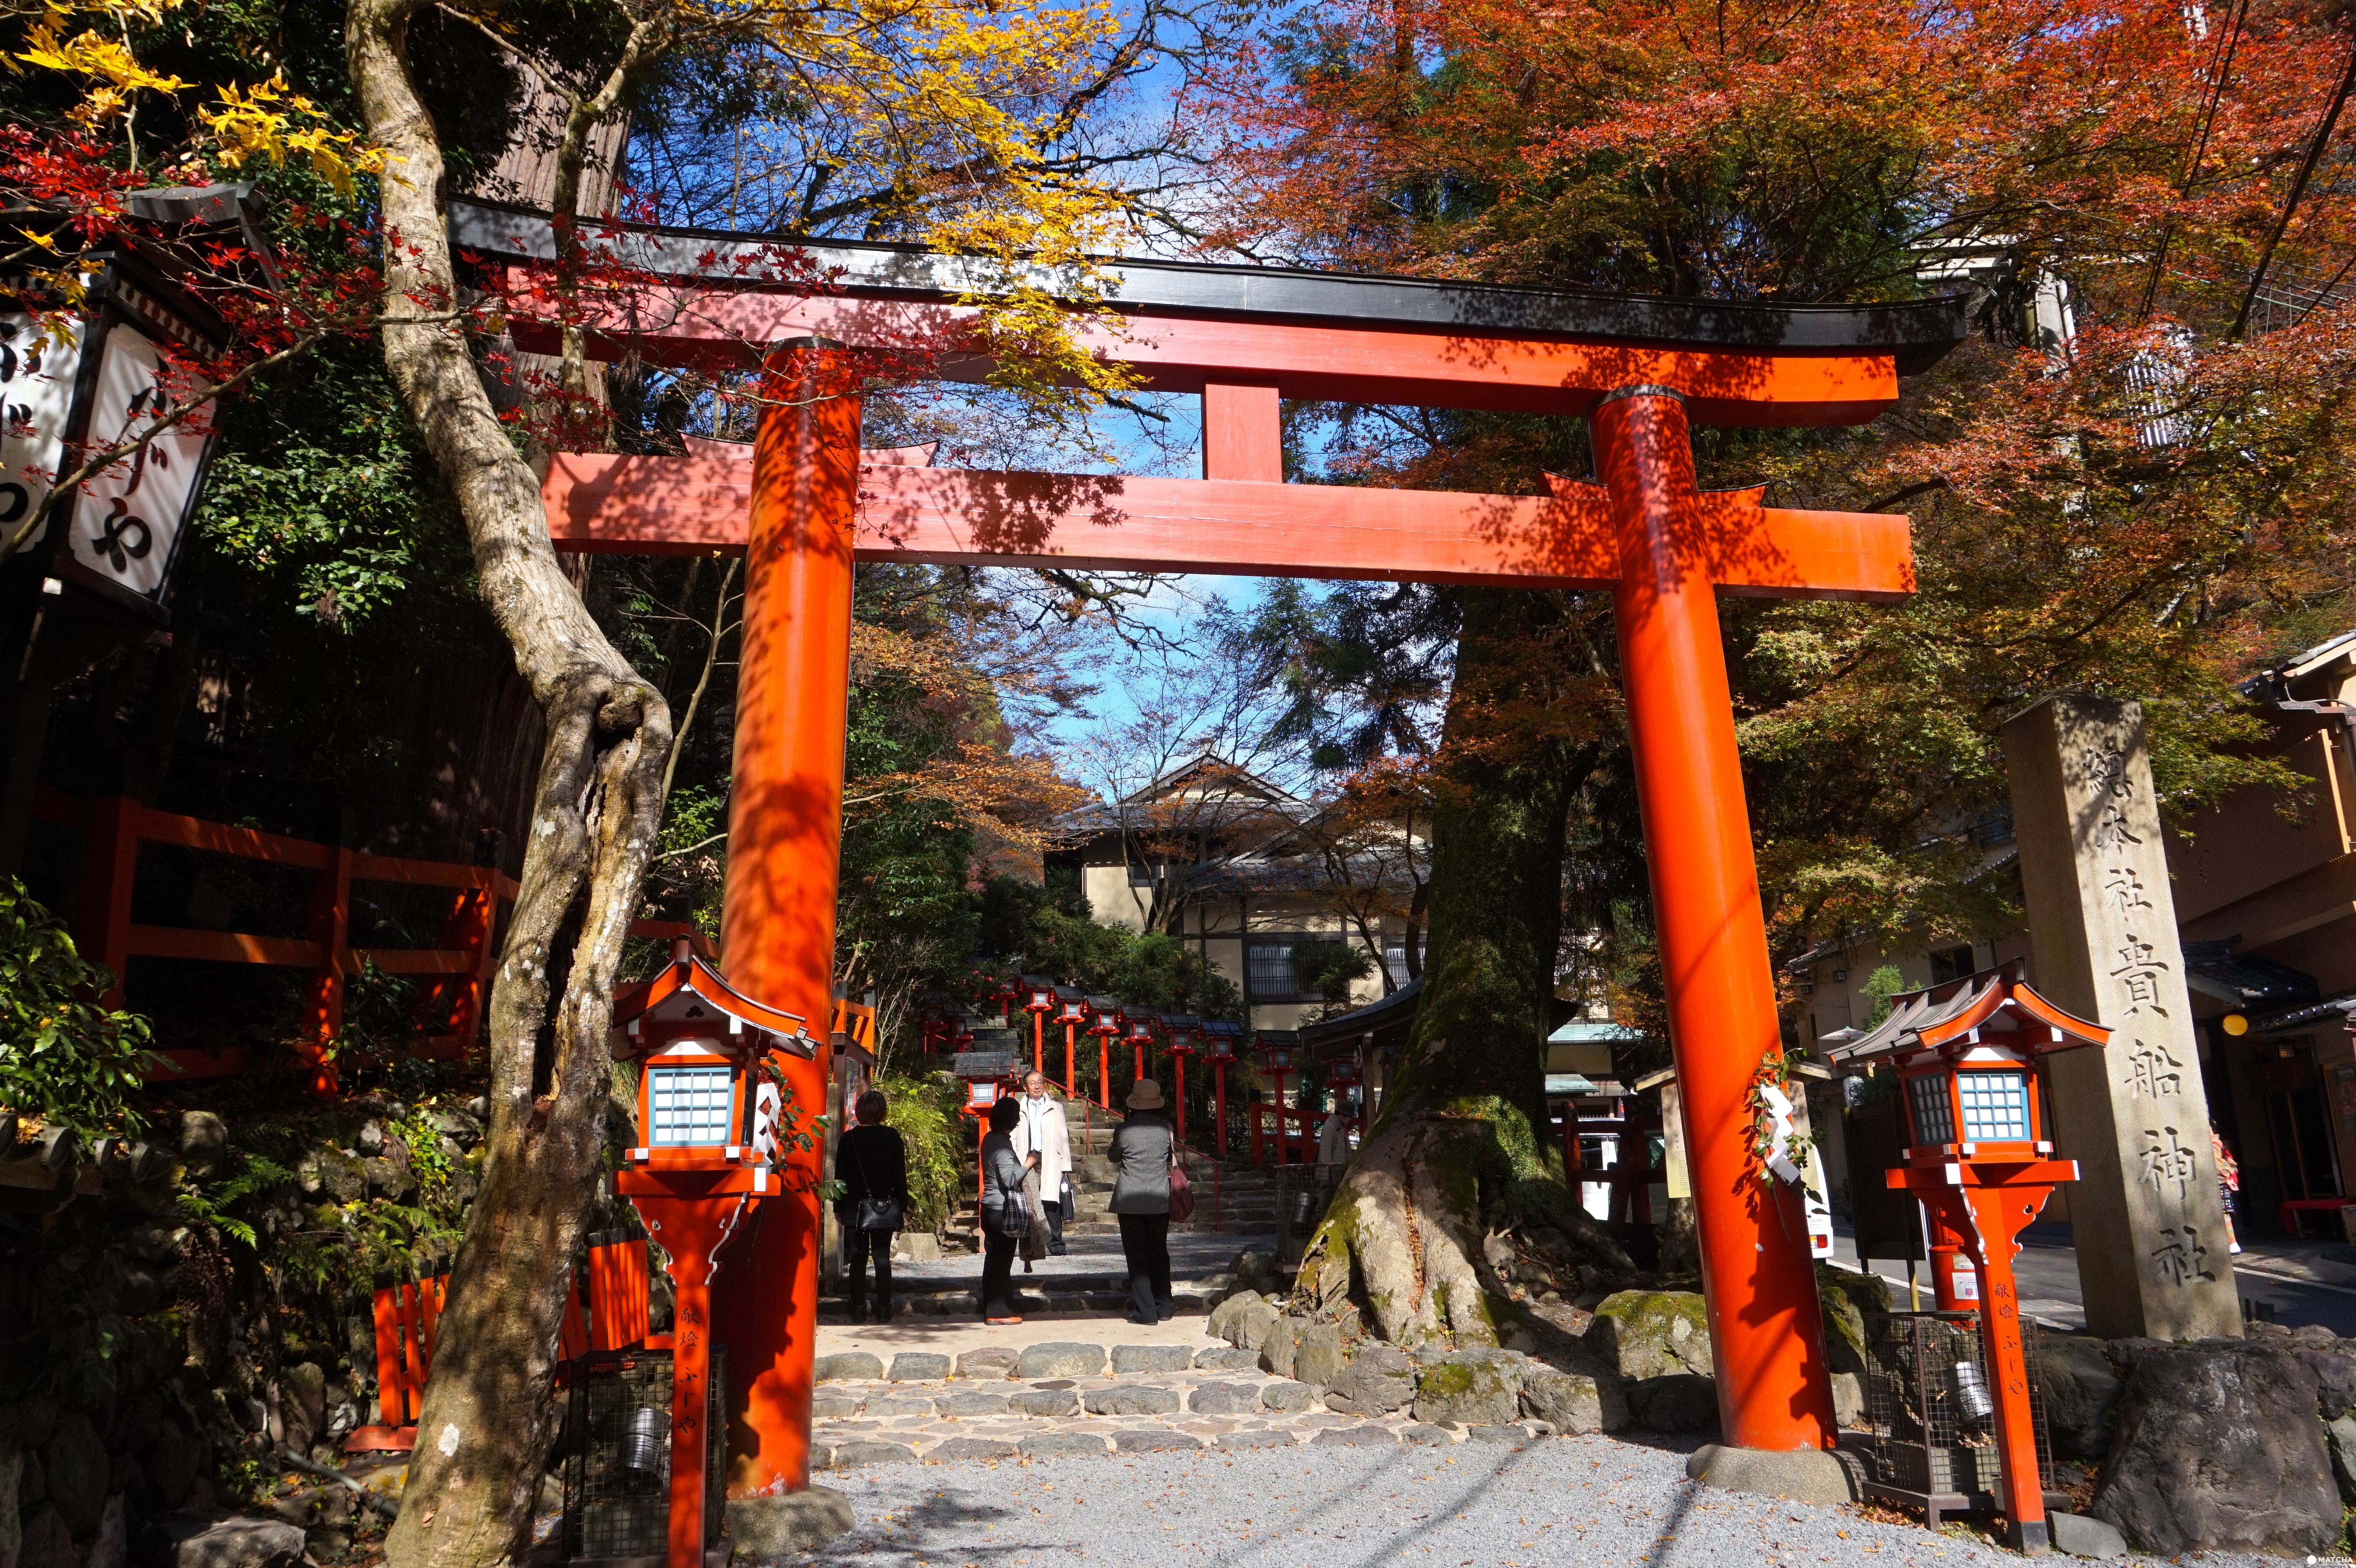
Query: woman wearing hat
[{"x": 1143, "y": 1151}]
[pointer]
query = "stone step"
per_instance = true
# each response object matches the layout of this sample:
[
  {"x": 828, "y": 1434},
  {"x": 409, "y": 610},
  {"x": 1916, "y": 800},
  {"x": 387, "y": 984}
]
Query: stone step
[{"x": 1079, "y": 1396}]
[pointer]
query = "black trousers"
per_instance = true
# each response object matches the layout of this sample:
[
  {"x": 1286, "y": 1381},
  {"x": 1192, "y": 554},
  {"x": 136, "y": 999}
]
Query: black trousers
[
  {"x": 1054, "y": 1227},
  {"x": 858, "y": 1246},
  {"x": 998, "y": 1275},
  {"x": 1145, "y": 1243}
]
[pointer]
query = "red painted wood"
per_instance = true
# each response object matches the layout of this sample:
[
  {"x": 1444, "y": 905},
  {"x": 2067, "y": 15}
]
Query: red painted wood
[
  {"x": 1241, "y": 436},
  {"x": 784, "y": 848},
  {"x": 391, "y": 1366},
  {"x": 1425, "y": 367},
  {"x": 658, "y": 506}
]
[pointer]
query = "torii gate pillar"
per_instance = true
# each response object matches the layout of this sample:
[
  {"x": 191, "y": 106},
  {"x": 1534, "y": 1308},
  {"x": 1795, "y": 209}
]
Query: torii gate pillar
[
  {"x": 785, "y": 852},
  {"x": 1774, "y": 1392}
]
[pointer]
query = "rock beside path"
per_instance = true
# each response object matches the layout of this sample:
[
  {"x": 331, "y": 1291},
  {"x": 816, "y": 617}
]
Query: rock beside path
[
  {"x": 1378, "y": 1379},
  {"x": 1657, "y": 1343},
  {"x": 1574, "y": 1401},
  {"x": 797, "y": 1522},
  {"x": 216, "y": 1542},
  {"x": 1243, "y": 1319},
  {"x": 1471, "y": 1388},
  {"x": 2219, "y": 1447},
  {"x": 2082, "y": 1390}
]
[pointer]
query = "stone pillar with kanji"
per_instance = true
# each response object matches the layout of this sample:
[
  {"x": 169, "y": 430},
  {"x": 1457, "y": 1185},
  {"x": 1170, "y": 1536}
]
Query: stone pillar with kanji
[{"x": 2145, "y": 1212}]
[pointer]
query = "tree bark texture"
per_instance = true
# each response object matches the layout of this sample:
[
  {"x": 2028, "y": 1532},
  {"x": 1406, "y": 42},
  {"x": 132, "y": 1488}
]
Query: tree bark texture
[
  {"x": 488, "y": 1415},
  {"x": 1458, "y": 1142}
]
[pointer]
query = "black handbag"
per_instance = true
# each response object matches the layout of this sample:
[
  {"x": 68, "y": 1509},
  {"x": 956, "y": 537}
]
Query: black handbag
[{"x": 872, "y": 1213}]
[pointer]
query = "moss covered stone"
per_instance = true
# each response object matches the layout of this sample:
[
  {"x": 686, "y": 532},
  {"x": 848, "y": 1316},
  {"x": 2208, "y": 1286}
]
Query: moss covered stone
[
  {"x": 1653, "y": 1333},
  {"x": 1471, "y": 1388}
]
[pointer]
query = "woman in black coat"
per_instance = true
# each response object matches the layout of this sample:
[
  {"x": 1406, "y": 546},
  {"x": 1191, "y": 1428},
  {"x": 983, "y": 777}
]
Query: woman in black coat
[
  {"x": 1004, "y": 1216},
  {"x": 870, "y": 1160}
]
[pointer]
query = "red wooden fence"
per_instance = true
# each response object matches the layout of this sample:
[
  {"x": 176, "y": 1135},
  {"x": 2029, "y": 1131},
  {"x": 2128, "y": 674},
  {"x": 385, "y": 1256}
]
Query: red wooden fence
[
  {"x": 114, "y": 828},
  {"x": 605, "y": 1309}
]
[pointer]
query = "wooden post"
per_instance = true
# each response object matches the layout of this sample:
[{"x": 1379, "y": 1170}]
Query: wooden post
[
  {"x": 1219, "y": 1095},
  {"x": 1775, "y": 1390},
  {"x": 109, "y": 860},
  {"x": 785, "y": 851},
  {"x": 323, "y": 992}
]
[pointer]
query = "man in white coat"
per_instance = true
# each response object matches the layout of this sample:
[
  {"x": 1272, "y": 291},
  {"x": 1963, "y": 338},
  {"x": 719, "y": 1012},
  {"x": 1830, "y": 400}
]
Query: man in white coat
[{"x": 1043, "y": 1141}]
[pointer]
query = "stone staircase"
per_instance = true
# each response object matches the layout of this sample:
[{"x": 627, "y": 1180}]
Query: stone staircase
[
  {"x": 1231, "y": 1196},
  {"x": 1085, "y": 1396}
]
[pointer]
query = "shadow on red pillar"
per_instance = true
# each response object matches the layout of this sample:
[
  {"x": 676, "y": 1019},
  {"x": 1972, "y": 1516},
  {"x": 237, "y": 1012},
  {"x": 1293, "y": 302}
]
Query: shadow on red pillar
[
  {"x": 1774, "y": 1392},
  {"x": 785, "y": 827}
]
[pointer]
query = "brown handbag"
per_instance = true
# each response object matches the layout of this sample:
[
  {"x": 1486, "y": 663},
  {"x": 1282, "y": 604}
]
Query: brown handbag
[{"x": 1181, "y": 1193}]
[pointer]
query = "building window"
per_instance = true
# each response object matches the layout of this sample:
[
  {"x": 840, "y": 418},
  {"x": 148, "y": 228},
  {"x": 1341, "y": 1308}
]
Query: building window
[
  {"x": 1996, "y": 1106},
  {"x": 1274, "y": 977},
  {"x": 690, "y": 1106},
  {"x": 1933, "y": 1123},
  {"x": 1140, "y": 873},
  {"x": 1952, "y": 965},
  {"x": 1394, "y": 958}
]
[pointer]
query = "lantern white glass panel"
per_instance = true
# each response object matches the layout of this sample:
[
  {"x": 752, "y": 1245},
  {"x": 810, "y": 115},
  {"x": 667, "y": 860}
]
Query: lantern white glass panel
[
  {"x": 37, "y": 384},
  {"x": 1996, "y": 1106},
  {"x": 690, "y": 1106},
  {"x": 1932, "y": 1122},
  {"x": 127, "y": 519}
]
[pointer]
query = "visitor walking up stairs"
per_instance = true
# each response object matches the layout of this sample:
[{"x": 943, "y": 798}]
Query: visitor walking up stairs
[{"x": 1235, "y": 1208}]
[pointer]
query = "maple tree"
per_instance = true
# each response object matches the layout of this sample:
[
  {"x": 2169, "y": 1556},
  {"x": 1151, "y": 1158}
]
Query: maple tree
[{"x": 2133, "y": 480}]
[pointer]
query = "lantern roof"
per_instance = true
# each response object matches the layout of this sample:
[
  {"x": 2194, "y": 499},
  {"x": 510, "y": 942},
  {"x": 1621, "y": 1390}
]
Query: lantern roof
[
  {"x": 691, "y": 988},
  {"x": 1183, "y": 1021},
  {"x": 1038, "y": 983},
  {"x": 1994, "y": 1007},
  {"x": 1107, "y": 1007}
]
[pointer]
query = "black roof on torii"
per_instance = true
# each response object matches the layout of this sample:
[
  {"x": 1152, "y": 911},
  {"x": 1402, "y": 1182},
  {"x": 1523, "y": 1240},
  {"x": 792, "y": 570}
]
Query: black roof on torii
[{"x": 1916, "y": 333}]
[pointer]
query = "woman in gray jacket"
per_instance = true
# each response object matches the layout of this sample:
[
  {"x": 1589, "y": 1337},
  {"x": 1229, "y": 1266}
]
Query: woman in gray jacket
[
  {"x": 1143, "y": 1150},
  {"x": 1004, "y": 1216}
]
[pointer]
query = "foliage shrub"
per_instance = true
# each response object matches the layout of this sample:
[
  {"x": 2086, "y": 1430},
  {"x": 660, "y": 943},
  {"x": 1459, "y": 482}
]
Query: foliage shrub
[
  {"x": 925, "y": 1113},
  {"x": 64, "y": 1056}
]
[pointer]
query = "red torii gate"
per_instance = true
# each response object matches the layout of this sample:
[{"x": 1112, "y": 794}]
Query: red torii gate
[{"x": 804, "y": 509}]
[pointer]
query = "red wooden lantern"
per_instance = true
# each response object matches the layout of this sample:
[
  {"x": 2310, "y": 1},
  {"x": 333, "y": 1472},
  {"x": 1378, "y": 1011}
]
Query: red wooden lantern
[
  {"x": 1109, "y": 1021},
  {"x": 1342, "y": 1072},
  {"x": 1219, "y": 1044},
  {"x": 1038, "y": 994},
  {"x": 1979, "y": 1160},
  {"x": 1183, "y": 1027},
  {"x": 710, "y": 1114},
  {"x": 1141, "y": 1035},
  {"x": 1071, "y": 1011}
]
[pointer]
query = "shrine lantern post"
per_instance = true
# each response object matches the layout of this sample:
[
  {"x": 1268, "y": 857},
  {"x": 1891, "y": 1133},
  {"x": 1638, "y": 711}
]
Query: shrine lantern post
[
  {"x": 711, "y": 1121},
  {"x": 1183, "y": 1027},
  {"x": 1141, "y": 1037},
  {"x": 1109, "y": 1021},
  {"x": 1980, "y": 1158},
  {"x": 1219, "y": 1041},
  {"x": 1038, "y": 994},
  {"x": 1072, "y": 1012}
]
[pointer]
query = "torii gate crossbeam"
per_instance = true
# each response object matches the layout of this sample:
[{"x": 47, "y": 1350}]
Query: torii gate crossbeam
[{"x": 805, "y": 508}]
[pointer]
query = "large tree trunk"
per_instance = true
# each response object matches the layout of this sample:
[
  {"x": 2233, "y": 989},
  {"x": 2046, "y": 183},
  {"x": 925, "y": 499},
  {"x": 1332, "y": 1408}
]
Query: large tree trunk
[
  {"x": 488, "y": 1422},
  {"x": 1459, "y": 1145}
]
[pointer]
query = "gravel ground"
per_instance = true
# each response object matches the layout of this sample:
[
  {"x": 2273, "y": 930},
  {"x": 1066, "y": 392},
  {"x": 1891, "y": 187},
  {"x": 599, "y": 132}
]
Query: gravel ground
[{"x": 1584, "y": 1502}]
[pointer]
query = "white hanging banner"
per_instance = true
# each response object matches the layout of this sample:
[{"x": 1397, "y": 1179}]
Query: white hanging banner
[
  {"x": 37, "y": 387},
  {"x": 127, "y": 519}
]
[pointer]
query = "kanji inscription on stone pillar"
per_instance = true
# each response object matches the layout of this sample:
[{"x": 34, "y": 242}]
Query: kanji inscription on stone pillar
[{"x": 2149, "y": 1228}]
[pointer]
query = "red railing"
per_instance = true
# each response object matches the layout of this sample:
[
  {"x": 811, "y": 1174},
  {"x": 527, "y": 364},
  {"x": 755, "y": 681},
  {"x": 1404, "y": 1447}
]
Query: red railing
[
  {"x": 114, "y": 827},
  {"x": 606, "y": 1309}
]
